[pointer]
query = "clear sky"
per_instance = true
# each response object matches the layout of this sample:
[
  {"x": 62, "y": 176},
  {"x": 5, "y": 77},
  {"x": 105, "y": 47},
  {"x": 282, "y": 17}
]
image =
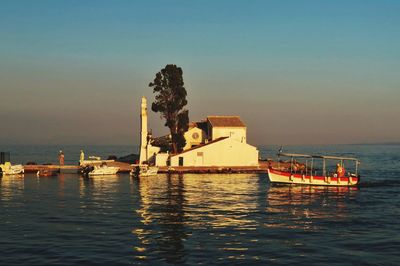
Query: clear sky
[{"x": 297, "y": 72}]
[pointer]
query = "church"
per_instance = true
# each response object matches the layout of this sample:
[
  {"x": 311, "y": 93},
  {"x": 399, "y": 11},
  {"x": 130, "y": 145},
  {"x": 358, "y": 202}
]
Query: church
[{"x": 216, "y": 141}]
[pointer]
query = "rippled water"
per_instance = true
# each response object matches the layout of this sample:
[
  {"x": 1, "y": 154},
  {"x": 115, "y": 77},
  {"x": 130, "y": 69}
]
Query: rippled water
[{"x": 209, "y": 219}]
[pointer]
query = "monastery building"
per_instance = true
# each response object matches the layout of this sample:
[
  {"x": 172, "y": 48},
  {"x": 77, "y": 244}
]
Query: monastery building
[{"x": 215, "y": 141}]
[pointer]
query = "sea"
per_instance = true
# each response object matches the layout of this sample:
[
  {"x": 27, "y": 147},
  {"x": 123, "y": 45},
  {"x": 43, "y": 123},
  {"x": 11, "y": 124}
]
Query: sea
[{"x": 227, "y": 219}]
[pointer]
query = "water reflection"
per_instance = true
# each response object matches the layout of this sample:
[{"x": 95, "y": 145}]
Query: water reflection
[
  {"x": 61, "y": 186},
  {"x": 11, "y": 187},
  {"x": 98, "y": 184},
  {"x": 174, "y": 207},
  {"x": 226, "y": 200},
  {"x": 302, "y": 207},
  {"x": 99, "y": 192},
  {"x": 162, "y": 213}
]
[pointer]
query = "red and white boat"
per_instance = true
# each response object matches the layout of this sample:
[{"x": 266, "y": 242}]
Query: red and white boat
[{"x": 295, "y": 172}]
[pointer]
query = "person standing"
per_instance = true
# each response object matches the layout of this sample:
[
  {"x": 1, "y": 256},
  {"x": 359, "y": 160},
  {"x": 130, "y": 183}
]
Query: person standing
[
  {"x": 61, "y": 157},
  {"x": 81, "y": 157},
  {"x": 340, "y": 171}
]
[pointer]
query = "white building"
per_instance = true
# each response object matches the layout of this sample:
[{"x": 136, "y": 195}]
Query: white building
[
  {"x": 216, "y": 141},
  {"x": 224, "y": 151}
]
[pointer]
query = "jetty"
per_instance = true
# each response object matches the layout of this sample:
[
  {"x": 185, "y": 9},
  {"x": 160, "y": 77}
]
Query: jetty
[{"x": 126, "y": 168}]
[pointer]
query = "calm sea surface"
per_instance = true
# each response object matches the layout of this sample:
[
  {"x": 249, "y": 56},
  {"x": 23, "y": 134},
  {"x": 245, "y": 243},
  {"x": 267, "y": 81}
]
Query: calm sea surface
[{"x": 194, "y": 219}]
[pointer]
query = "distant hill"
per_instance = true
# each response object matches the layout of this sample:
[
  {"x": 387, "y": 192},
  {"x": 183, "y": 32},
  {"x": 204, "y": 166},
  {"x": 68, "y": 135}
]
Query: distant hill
[{"x": 131, "y": 158}]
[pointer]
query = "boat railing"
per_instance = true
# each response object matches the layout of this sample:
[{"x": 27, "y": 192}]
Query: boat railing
[{"x": 308, "y": 168}]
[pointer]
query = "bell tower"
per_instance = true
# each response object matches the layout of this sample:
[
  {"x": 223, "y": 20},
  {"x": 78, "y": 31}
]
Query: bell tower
[{"x": 143, "y": 131}]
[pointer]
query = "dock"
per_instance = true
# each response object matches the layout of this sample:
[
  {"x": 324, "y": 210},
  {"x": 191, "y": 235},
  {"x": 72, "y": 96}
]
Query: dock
[{"x": 126, "y": 168}]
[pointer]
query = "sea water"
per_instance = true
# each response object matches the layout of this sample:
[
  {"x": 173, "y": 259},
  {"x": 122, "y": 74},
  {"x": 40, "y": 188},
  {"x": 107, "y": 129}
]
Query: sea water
[{"x": 199, "y": 219}]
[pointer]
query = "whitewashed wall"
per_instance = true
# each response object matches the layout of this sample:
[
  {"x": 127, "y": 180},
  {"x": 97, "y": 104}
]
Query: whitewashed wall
[
  {"x": 227, "y": 152},
  {"x": 237, "y": 133},
  {"x": 161, "y": 159}
]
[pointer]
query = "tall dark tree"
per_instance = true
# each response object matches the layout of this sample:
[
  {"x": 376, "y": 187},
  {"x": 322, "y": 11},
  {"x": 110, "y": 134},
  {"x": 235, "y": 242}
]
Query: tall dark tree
[{"x": 170, "y": 100}]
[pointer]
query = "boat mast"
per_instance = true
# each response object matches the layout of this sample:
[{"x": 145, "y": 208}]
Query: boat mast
[
  {"x": 357, "y": 162},
  {"x": 306, "y": 165},
  {"x": 312, "y": 165},
  {"x": 291, "y": 164}
]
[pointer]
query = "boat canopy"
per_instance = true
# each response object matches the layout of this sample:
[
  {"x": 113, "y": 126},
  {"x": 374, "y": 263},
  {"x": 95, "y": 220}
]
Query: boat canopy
[{"x": 317, "y": 156}]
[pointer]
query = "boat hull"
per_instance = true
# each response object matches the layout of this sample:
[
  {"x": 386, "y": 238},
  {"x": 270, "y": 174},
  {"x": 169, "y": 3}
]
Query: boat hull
[
  {"x": 276, "y": 176},
  {"x": 8, "y": 169},
  {"x": 46, "y": 173},
  {"x": 150, "y": 171},
  {"x": 104, "y": 171}
]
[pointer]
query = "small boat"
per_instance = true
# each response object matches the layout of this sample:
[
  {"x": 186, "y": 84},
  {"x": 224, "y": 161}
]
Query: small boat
[
  {"x": 85, "y": 170},
  {"x": 8, "y": 169},
  {"x": 295, "y": 172},
  {"x": 144, "y": 170},
  {"x": 46, "y": 173},
  {"x": 104, "y": 170}
]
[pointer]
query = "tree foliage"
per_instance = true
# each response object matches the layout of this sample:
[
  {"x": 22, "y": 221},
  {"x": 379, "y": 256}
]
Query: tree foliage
[{"x": 170, "y": 100}]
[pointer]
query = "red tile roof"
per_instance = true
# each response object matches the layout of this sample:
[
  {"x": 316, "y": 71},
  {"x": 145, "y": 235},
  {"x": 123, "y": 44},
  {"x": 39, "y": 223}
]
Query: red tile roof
[{"x": 225, "y": 121}]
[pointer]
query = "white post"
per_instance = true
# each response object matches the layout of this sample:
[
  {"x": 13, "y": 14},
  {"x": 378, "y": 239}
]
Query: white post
[{"x": 143, "y": 131}]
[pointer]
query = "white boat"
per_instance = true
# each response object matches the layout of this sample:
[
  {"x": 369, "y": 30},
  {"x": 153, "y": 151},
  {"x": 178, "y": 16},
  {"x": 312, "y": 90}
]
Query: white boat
[
  {"x": 307, "y": 173},
  {"x": 8, "y": 169},
  {"x": 150, "y": 171},
  {"x": 144, "y": 170},
  {"x": 104, "y": 170}
]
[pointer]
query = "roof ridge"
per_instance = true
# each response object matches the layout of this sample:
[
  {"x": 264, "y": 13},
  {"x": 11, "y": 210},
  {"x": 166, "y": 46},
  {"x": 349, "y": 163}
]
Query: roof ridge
[
  {"x": 226, "y": 121},
  {"x": 223, "y": 116},
  {"x": 201, "y": 145}
]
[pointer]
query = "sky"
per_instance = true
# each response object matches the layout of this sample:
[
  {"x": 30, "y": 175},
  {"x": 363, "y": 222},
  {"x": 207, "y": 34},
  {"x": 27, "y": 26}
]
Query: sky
[{"x": 297, "y": 72}]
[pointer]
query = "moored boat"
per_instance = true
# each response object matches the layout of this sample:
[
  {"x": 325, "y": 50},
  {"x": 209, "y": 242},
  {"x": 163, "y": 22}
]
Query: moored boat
[
  {"x": 294, "y": 172},
  {"x": 144, "y": 170},
  {"x": 8, "y": 169},
  {"x": 104, "y": 170},
  {"x": 46, "y": 173}
]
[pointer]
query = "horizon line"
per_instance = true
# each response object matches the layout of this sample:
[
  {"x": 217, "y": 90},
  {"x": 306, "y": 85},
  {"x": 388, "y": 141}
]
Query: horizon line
[{"x": 257, "y": 145}]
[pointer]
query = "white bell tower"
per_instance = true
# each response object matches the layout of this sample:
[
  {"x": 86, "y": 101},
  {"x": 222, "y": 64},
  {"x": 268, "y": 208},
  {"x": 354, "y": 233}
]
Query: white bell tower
[{"x": 143, "y": 131}]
